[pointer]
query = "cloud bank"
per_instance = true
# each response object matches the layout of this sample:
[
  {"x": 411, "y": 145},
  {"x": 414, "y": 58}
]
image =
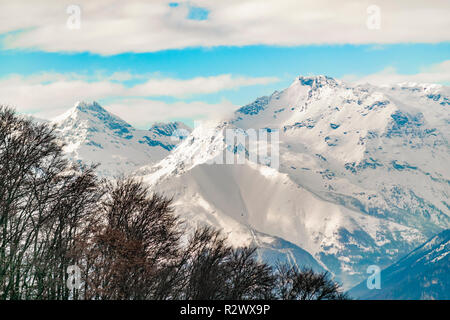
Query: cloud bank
[
  {"x": 49, "y": 94},
  {"x": 110, "y": 27}
]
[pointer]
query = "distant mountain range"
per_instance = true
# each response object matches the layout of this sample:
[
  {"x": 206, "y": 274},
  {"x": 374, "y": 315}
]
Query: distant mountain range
[
  {"x": 363, "y": 175},
  {"x": 94, "y": 135}
]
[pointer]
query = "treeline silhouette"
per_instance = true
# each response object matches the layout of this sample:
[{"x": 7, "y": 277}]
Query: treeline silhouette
[{"x": 126, "y": 241}]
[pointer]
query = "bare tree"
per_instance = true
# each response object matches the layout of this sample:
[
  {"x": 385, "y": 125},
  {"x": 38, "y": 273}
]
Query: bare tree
[
  {"x": 127, "y": 241},
  {"x": 43, "y": 201},
  {"x": 127, "y": 251},
  {"x": 246, "y": 277},
  {"x": 206, "y": 272},
  {"x": 211, "y": 269},
  {"x": 305, "y": 284}
]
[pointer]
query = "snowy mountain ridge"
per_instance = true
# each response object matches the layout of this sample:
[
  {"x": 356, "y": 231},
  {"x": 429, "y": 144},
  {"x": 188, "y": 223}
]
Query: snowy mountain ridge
[
  {"x": 364, "y": 128},
  {"x": 362, "y": 178},
  {"x": 94, "y": 135}
]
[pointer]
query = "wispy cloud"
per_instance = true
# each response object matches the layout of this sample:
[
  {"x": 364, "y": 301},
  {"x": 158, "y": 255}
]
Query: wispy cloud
[
  {"x": 48, "y": 94},
  {"x": 112, "y": 27},
  {"x": 438, "y": 73},
  {"x": 198, "y": 85},
  {"x": 142, "y": 112}
]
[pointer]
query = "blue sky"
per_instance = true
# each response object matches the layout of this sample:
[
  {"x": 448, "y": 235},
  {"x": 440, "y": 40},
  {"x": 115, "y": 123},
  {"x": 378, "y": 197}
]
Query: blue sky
[{"x": 34, "y": 63}]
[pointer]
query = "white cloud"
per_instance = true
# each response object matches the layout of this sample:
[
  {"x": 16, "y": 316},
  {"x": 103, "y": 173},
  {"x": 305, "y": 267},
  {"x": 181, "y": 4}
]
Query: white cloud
[
  {"x": 143, "y": 112},
  {"x": 198, "y": 85},
  {"x": 438, "y": 73},
  {"x": 111, "y": 27},
  {"x": 49, "y": 94}
]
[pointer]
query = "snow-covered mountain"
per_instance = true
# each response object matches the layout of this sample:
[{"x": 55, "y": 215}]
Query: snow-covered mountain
[
  {"x": 93, "y": 135},
  {"x": 363, "y": 175},
  {"x": 422, "y": 274},
  {"x": 362, "y": 178}
]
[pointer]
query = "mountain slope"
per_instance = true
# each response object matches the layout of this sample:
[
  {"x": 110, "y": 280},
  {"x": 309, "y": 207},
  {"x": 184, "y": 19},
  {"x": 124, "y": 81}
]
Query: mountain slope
[
  {"x": 93, "y": 135},
  {"x": 422, "y": 274},
  {"x": 241, "y": 198},
  {"x": 362, "y": 178},
  {"x": 366, "y": 147}
]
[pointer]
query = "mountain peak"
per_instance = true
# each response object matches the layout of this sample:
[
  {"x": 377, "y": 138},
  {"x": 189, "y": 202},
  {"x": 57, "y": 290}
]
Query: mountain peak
[
  {"x": 95, "y": 116},
  {"x": 89, "y": 106},
  {"x": 315, "y": 81}
]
